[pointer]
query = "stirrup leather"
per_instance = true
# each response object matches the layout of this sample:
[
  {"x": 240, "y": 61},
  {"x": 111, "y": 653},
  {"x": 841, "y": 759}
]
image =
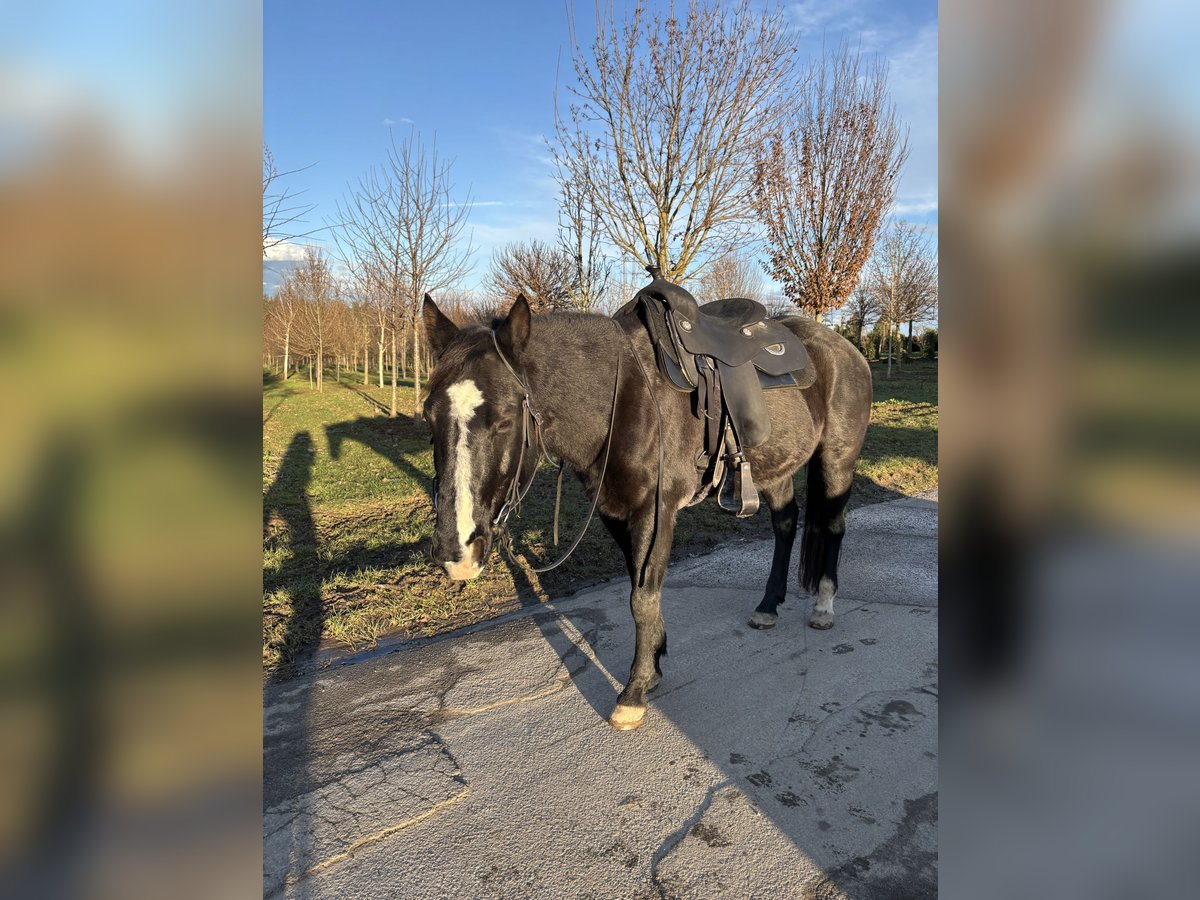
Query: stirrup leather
[{"x": 737, "y": 493}]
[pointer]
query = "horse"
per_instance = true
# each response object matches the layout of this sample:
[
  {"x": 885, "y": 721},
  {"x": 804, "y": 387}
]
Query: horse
[{"x": 586, "y": 388}]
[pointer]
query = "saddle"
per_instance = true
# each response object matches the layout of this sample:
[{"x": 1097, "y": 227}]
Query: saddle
[{"x": 726, "y": 354}]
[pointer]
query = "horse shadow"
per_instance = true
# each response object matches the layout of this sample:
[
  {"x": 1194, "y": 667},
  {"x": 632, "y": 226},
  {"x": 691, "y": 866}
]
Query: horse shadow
[{"x": 594, "y": 642}]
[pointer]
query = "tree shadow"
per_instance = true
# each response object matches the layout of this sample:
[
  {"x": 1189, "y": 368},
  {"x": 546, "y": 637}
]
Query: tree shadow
[
  {"x": 901, "y": 440},
  {"x": 378, "y": 404}
]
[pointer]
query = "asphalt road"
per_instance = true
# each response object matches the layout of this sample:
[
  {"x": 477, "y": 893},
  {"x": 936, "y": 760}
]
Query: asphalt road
[{"x": 781, "y": 763}]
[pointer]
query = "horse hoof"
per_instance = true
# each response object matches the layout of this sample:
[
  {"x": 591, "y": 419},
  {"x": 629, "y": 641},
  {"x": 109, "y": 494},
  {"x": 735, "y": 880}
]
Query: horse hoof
[
  {"x": 763, "y": 620},
  {"x": 627, "y": 718},
  {"x": 821, "y": 620}
]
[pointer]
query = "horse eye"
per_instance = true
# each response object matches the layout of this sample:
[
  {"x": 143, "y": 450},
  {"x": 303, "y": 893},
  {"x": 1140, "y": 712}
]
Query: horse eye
[{"x": 504, "y": 425}]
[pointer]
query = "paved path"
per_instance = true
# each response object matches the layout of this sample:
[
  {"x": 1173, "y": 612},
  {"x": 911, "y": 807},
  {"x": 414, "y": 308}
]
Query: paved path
[{"x": 785, "y": 763}]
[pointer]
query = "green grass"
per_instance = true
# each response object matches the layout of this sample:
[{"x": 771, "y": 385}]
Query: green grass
[{"x": 347, "y": 516}]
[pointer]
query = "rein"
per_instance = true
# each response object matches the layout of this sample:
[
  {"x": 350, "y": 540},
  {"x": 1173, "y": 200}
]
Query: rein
[{"x": 531, "y": 430}]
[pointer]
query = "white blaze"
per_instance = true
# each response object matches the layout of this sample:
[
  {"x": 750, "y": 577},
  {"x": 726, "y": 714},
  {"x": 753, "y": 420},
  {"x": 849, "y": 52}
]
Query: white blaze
[{"x": 464, "y": 400}]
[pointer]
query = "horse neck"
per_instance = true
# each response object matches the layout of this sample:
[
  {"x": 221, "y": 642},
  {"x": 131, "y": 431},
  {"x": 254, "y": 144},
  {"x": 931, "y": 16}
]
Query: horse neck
[{"x": 571, "y": 360}]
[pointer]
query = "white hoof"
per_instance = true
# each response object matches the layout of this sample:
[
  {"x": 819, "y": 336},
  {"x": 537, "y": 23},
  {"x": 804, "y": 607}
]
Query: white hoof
[
  {"x": 763, "y": 620},
  {"x": 821, "y": 619},
  {"x": 626, "y": 718}
]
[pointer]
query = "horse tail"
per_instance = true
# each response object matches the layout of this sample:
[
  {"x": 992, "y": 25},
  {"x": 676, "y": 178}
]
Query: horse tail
[{"x": 814, "y": 544}]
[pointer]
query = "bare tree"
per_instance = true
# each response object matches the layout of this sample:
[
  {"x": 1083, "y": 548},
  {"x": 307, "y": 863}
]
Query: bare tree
[
  {"x": 280, "y": 210},
  {"x": 826, "y": 177},
  {"x": 903, "y": 278},
  {"x": 284, "y": 308},
  {"x": 731, "y": 274},
  {"x": 778, "y": 305},
  {"x": 861, "y": 306},
  {"x": 316, "y": 292},
  {"x": 579, "y": 232},
  {"x": 401, "y": 226},
  {"x": 543, "y": 273},
  {"x": 661, "y": 136}
]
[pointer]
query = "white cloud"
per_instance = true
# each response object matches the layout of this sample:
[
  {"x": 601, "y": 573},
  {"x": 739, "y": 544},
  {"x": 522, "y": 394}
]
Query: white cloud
[
  {"x": 284, "y": 252},
  {"x": 916, "y": 206},
  {"x": 811, "y": 15}
]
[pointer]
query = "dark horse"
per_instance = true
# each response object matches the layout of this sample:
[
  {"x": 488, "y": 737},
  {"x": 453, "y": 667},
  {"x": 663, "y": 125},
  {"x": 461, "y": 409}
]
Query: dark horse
[{"x": 475, "y": 409}]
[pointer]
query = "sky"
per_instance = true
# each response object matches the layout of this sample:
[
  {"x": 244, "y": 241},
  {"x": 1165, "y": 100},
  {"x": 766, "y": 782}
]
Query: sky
[{"x": 480, "y": 76}]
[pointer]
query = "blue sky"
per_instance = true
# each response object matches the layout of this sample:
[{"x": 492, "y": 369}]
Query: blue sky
[{"x": 481, "y": 75}]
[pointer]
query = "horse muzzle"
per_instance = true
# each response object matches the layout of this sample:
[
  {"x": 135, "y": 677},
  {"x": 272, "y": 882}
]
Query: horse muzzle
[
  {"x": 463, "y": 570},
  {"x": 471, "y": 565}
]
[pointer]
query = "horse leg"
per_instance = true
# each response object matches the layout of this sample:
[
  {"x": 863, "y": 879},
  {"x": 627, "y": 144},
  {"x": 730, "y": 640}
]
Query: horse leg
[
  {"x": 781, "y": 498},
  {"x": 646, "y": 606},
  {"x": 830, "y": 476}
]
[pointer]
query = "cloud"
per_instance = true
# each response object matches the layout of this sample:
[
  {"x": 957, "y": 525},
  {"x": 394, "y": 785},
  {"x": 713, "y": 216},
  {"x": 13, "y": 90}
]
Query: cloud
[
  {"x": 403, "y": 120},
  {"x": 811, "y": 15},
  {"x": 917, "y": 206},
  {"x": 284, "y": 252},
  {"x": 477, "y": 203}
]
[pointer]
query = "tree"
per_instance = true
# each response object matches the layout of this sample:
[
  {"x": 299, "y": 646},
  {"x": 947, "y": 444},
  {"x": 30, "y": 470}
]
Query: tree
[
  {"x": 826, "y": 177},
  {"x": 903, "y": 277},
  {"x": 312, "y": 284},
  {"x": 861, "y": 306},
  {"x": 284, "y": 308},
  {"x": 543, "y": 273},
  {"x": 401, "y": 226},
  {"x": 731, "y": 274},
  {"x": 280, "y": 211},
  {"x": 579, "y": 232},
  {"x": 929, "y": 343},
  {"x": 667, "y": 116}
]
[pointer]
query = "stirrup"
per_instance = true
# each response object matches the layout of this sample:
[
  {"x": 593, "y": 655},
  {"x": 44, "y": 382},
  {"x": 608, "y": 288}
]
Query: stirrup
[{"x": 738, "y": 494}]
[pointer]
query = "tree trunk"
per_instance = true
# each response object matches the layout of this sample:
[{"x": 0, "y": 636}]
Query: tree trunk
[
  {"x": 910, "y": 338},
  {"x": 381, "y": 357},
  {"x": 416, "y": 366},
  {"x": 367, "y": 362},
  {"x": 287, "y": 341},
  {"x": 320, "y": 366},
  {"x": 889, "y": 367},
  {"x": 859, "y": 331},
  {"x": 392, "y": 412}
]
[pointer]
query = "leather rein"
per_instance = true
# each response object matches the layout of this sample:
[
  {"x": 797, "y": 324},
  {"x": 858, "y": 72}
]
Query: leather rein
[{"x": 531, "y": 432}]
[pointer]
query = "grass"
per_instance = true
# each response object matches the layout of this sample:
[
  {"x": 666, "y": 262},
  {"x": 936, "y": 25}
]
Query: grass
[{"x": 347, "y": 515}]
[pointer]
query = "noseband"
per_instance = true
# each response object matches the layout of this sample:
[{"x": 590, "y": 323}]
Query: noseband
[{"x": 531, "y": 432}]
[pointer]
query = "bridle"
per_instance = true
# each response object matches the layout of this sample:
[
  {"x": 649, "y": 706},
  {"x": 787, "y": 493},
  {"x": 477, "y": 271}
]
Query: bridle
[{"x": 531, "y": 433}]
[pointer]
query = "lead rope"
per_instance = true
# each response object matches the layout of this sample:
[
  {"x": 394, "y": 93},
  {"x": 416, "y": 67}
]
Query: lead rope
[{"x": 517, "y": 494}]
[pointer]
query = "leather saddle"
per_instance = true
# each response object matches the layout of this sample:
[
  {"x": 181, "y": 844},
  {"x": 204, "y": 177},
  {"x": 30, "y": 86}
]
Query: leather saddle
[{"x": 727, "y": 354}]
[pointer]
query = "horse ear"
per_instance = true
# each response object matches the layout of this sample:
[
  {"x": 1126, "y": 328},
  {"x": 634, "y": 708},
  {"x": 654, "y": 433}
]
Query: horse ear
[
  {"x": 513, "y": 333},
  {"x": 439, "y": 330}
]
